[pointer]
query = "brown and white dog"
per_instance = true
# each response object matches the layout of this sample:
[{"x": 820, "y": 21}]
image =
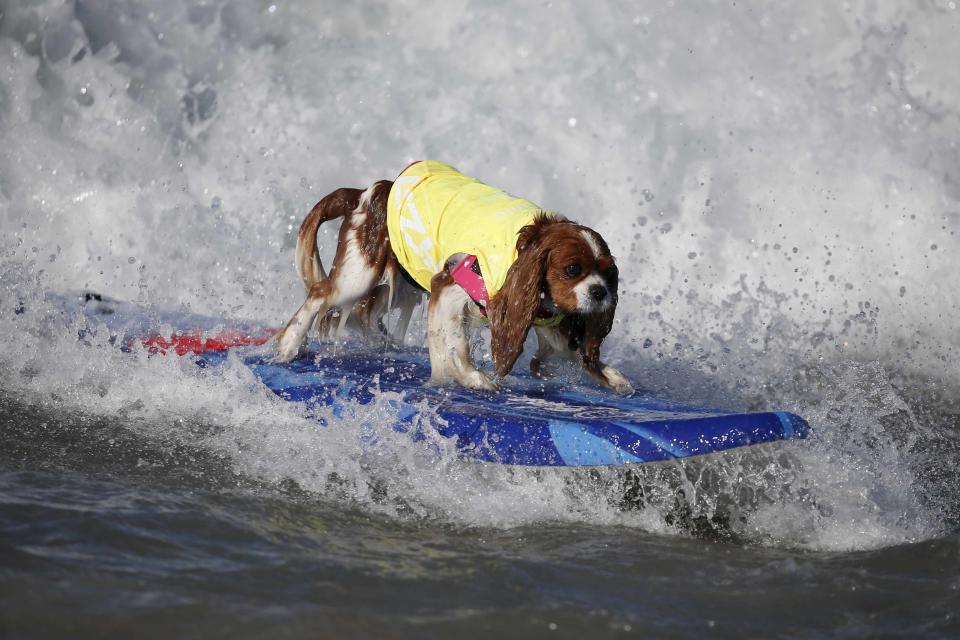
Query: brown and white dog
[{"x": 561, "y": 268}]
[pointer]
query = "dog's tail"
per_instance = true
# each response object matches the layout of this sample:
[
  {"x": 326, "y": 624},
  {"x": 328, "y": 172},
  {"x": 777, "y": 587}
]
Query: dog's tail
[{"x": 307, "y": 258}]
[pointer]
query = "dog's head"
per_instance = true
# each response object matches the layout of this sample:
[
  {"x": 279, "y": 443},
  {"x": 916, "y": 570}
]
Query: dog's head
[{"x": 564, "y": 268}]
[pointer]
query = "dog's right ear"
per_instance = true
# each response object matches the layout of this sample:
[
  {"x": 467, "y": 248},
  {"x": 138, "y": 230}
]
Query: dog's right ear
[{"x": 512, "y": 311}]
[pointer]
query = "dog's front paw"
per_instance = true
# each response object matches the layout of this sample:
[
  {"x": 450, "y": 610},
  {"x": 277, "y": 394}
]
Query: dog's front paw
[
  {"x": 479, "y": 380},
  {"x": 472, "y": 379},
  {"x": 614, "y": 380}
]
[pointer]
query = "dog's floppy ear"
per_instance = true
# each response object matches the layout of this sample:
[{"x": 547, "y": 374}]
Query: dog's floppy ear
[{"x": 512, "y": 311}]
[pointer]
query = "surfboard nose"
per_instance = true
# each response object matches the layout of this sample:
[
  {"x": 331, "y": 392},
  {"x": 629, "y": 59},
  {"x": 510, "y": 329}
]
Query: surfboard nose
[{"x": 793, "y": 425}]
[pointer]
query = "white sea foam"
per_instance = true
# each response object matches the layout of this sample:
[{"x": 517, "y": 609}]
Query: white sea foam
[{"x": 778, "y": 181}]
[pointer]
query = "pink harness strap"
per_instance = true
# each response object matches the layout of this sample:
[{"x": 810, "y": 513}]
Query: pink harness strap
[{"x": 471, "y": 282}]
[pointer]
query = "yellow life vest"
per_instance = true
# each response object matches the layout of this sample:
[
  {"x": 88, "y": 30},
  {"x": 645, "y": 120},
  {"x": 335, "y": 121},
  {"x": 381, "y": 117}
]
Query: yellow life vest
[{"x": 434, "y": 212}]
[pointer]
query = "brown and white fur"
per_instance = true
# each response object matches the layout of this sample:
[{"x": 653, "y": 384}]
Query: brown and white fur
[
  {"x": 561, "y": 266},
  {"x": 366, "y": 312}
]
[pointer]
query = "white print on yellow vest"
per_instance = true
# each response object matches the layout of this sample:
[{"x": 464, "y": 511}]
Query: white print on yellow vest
[{"x": 412, "y": 224}]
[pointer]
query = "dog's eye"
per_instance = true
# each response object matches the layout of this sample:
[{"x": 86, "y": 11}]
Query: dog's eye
[{"x": 573, "y": 270}]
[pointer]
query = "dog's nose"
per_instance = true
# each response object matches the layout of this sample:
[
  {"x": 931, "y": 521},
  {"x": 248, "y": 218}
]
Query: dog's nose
[{"x": 598, "y": 292}]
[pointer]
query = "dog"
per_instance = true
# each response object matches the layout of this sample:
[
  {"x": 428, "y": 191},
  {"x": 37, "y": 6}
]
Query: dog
[{"x": 479, "y": 253}]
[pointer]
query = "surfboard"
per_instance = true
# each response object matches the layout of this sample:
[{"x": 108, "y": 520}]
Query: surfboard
[{"x": 527, "y": 422}]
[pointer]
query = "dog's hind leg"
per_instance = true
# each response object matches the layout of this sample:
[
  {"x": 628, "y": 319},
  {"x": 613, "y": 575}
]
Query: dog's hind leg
[
  {"x": 362, "y": 253},
  {"x": 351, "y": 279},
  {"x": 348, "y": 285},
  {"x": 292, "y": 337}
]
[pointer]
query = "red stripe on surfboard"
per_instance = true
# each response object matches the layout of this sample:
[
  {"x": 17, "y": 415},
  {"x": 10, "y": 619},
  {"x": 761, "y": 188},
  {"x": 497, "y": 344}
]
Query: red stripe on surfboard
[{"x": 197, "y": 342}]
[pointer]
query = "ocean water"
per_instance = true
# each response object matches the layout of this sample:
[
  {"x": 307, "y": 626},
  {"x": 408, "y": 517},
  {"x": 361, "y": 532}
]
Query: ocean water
[{"x": 779, "y": 181}]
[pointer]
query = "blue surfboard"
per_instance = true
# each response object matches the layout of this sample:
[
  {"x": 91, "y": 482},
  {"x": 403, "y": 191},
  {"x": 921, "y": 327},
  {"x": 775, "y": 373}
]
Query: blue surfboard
[{"x": 528, "y": 422}]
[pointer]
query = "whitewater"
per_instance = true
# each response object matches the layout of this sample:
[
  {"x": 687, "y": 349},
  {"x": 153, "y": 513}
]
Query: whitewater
[{"x": 780, "y": 184}]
